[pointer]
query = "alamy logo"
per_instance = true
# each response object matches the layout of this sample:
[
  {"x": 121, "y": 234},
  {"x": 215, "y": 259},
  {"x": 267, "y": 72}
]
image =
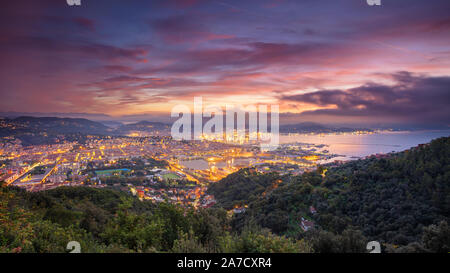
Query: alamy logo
[
  {"x": 235, "y": 125},
  {"x": 373, "y": 247},
  {"x": 73, "y": 2},
  {"x": 374, "y": 2},
  {"x": 74, "y": 247}
]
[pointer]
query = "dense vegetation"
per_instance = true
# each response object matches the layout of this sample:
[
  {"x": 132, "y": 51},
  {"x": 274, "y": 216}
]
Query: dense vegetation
[
  {"x": 104, "y": 220},
  {"x": 396, "y": 200},
  {"x": 402, "y": 201},
  {"x": 241, "y": 187}
]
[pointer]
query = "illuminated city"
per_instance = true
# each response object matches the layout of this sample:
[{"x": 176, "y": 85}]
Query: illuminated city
[
  {"x": 199, "y": 128},
  {"x": 197, "y": 163}
]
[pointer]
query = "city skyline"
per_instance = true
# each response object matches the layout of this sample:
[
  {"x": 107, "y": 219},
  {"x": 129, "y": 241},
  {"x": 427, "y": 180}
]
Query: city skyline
[{"x": 328, "y": 62}]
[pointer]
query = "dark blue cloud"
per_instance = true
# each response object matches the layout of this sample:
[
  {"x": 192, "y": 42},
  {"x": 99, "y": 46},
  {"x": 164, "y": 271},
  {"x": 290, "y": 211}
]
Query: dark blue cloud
[{"x": 416, "y": 99}]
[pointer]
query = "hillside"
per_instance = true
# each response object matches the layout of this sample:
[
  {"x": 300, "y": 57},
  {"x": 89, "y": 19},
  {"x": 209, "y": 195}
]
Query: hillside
[
  {"x": 402, "y": 201},
  {"x": 104, "y": 220},
  {"x": 45, "y": 130},
  {"x": 61, "y": 125},
  {"x": 391, "y": 200},
  {"x": 241, "y": 187}
]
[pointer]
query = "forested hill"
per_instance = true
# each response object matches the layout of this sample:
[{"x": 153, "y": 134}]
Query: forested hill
[
  {"x": 105, "y": 220},
  {"x": 390, "y": 200},
  {"x": 49, "y": 130},
  {"x": 57, "y": 125},
  {"x": 401, "y": 201},
  {"x": 242, "y": 187}
]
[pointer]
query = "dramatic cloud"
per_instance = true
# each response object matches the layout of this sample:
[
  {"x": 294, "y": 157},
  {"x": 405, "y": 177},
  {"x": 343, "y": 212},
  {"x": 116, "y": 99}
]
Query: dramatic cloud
[
  {"x": 316, "y": 58},
  {"x": 413, "y": 98}
]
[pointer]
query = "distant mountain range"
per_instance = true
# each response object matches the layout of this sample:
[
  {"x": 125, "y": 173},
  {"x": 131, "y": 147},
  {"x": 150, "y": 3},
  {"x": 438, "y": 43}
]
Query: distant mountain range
[
  {"x": 63, "y": 125},
  {"x": 41, "y": 130},
  {"x": 287, "y": 123},
  {"x": 48, "y": 130},
  {"x": 34, "y": 129},
  {"x": 308, "y": 127},
  {"x": 52, "y": 125},
  {"x": 94, "y": 117},
  {"x": 103, "y": 118}
]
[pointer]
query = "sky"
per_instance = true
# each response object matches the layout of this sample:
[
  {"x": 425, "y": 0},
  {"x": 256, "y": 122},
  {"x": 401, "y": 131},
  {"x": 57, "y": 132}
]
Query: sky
[{"x": 320, "y": 60}]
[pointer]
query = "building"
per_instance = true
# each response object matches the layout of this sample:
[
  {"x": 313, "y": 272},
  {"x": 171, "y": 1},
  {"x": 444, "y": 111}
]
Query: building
[{"x": 306, "y": 224}]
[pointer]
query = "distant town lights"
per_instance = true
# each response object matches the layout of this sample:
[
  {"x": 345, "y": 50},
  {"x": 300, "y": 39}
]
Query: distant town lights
[{"x": 257, "y": 129}]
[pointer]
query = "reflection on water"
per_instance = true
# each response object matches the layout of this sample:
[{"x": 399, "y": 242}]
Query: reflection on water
[
  {"x": 349, "y": 145},
  {"x": 343, "y": 146}
]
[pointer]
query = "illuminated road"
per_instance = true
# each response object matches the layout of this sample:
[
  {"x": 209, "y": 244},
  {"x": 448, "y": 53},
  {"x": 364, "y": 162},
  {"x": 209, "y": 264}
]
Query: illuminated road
[
  {"x": 27, "y": 170},
  {"x": 48, "y": 174},
  {"x": 121, "y": 150}
]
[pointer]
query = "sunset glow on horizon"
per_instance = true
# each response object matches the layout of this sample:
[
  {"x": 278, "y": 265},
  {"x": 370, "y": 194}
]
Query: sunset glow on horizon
[{"x": 331, "y": 61}]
